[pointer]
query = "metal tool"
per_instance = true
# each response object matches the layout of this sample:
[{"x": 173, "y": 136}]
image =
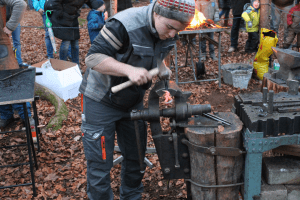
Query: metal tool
[
  {"x": 161, "y": 70},
  {"x": 172, "y": 153},
  {"x": 219, "y": 119},
  {"x": 127, "y": 84}
]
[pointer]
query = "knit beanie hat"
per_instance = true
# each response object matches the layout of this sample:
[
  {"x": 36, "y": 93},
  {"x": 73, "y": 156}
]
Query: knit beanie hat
[
  {"x": 180, "y": 10},
  {"x": 96, "y": 4}
]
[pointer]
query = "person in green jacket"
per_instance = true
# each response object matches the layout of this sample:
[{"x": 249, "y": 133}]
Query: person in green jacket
[{"x": 251, "y": 16}]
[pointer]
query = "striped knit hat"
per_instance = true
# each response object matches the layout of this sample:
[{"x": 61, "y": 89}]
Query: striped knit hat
[{"x": 180, "y": 10}]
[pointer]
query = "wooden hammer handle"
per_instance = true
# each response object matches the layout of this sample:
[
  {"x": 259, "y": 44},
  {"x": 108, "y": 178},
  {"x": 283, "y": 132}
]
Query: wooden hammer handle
[{"x": 126, "y": 84}]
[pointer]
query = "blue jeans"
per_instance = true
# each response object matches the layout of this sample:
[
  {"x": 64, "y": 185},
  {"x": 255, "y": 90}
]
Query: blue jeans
[
  {"x": 224, "y": 11},
  {"x": 30, "y": 4},
  {"x": 17, "y": 44},
  {"x": 64, "y": 48},
  {"x": 7, "y": 111},
  {"x": 47, "y": 39}
]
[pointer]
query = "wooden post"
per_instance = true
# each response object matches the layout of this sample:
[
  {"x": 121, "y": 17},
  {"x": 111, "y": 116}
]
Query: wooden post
[
  {"x": 207, "y": 169},
  {"x": 264, "y": 21},
  {"x": 7, "y": 58},
  {"x": 113, "y": 7}
]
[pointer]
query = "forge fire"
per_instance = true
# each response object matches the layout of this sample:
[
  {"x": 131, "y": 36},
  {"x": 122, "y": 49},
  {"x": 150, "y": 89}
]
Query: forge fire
[{"x": 200, "y": 22}]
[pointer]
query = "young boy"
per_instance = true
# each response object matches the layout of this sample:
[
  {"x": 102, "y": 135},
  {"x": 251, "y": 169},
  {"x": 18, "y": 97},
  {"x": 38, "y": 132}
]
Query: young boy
[
  {"x": 210, "y": 10},
  {"x": 293, "y": 22},
  {"x": 95, "y": 19},
  {"x": 251, "y": 17}
]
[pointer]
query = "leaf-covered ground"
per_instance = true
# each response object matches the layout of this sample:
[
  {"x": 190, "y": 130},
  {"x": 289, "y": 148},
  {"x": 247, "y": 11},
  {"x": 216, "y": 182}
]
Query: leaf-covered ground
[{"x": 62, "y": 164}]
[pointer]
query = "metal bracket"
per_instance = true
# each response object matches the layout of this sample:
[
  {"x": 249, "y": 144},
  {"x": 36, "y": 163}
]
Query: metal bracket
[
  {"x": 215, "y": 151},
  {"x": 214, "y": 186}
]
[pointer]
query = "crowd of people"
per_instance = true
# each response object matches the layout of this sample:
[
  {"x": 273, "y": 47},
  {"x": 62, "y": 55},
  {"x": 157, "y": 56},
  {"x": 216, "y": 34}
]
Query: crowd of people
[
  {"x": 246, "y": 13},
  {"x": 249, "y": 11},
  {"x": 125, "y": 47}
]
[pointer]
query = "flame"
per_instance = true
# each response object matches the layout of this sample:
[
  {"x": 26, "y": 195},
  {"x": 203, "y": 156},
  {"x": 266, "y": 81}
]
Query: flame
[
  {"x": 197, "y": 20},
  {"x": 168, "y": 98}
]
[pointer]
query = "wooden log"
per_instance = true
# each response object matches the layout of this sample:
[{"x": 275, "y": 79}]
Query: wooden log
[
  {"x": 207, "y": 169},
  {"x": 7, "y": 58},
  {"x": 271, "y": 85}
]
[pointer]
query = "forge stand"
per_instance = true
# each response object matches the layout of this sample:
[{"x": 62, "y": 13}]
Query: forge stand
[
  {"x": 17, "y": 86},
  {"x": 189, "y": 33},
  {"x": 266, "y": 118}
]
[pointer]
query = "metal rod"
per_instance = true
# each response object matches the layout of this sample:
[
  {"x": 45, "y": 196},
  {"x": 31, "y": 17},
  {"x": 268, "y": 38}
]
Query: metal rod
[
  {"x": 176, "y": 64},
  {"x": 219, "y": 60},
  {"x": 11, "y": 131},
  {"x": 28, "y": 136},
  {"x": 205, "y": 37},
  {"x": 265, "y": 95},
  {"x": 214, "y": 118},
  {"x": 11, "y": 186},
  {"x": 139, "y": 147},
  {"x": 214, "y": 186},
  {"x": 14, "y": 165},
  {"x": 270, "y": 104},
  {"x": 198, "y": 81},
  {"x": 175, "y": 143},
  {"x": 219, "y": 118},
  {"x": 36, "y": 123},
  {"x": 10, "y": 146}
]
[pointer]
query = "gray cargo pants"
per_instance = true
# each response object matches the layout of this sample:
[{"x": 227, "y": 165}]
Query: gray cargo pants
[{"x": 100, "y": 120}]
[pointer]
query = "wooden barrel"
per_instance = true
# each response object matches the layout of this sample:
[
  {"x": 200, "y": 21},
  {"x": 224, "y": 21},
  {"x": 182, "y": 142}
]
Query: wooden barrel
[
  {"x": 207, "y": 169},
  {"x": 7, "y": 58}
]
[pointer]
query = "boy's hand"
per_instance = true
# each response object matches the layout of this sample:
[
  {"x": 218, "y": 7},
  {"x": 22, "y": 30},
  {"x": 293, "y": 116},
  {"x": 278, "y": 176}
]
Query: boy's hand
[
  {"x": 41, "y": 11},
  {"x": 249, "y": 24},
  {"x": 7, "y": 31}
]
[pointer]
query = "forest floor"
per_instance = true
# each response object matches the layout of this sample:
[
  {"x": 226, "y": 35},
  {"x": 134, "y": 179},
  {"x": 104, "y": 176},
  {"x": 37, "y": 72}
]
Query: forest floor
[{"x": 62, "y": 165}]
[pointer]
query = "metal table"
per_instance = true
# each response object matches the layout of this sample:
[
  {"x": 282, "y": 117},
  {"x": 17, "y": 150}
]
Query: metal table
[
  {"x": 265, "y": 117},
  {"x": 189, "y": 49},
  {"x": 17, "y": 86}
]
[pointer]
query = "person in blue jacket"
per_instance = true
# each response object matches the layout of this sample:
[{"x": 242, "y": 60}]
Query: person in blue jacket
[
  {"x": 39, "y": 7},
  {"x": 95, "y": 19}
]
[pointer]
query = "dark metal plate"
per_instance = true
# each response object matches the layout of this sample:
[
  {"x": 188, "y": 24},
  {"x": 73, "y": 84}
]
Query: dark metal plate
[{"x": 18, "y": 88}]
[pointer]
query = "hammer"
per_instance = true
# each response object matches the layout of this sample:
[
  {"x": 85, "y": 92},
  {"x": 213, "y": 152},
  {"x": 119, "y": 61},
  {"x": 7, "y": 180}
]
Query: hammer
[{"x": 161, "y": 70}]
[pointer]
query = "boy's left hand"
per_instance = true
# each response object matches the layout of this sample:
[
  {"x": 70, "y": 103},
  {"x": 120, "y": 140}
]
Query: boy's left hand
[{"x": 249, "y": 24}]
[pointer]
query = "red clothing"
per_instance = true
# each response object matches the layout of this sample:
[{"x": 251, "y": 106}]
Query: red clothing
[{"x": 289, "y": 16}]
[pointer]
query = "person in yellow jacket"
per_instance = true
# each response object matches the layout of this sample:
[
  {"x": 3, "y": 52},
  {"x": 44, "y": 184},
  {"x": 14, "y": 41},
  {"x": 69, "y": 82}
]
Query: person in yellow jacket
[{"x": 251, "y": 16}]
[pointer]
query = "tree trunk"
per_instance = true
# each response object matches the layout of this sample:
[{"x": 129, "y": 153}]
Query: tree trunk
[
  {"x": 264, "y": 21},
  {"x": 7, "y": 58}
]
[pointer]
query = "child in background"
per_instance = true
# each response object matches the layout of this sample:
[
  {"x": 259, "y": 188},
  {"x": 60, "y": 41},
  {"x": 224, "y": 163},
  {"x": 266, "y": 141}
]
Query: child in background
[
  {"x": 251, "y": 16},
  {"x": 210, "y": 10},
  {"x": 293, "y": 22},
  {"x": 96, "y": 19}
]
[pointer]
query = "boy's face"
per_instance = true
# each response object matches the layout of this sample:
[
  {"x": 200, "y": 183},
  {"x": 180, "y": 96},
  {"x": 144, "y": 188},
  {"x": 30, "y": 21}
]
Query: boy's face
[
  {"x": 167, "y": 28},
  {"x": 256, "y": 4},
  {"x": 102, "y": 8}
]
